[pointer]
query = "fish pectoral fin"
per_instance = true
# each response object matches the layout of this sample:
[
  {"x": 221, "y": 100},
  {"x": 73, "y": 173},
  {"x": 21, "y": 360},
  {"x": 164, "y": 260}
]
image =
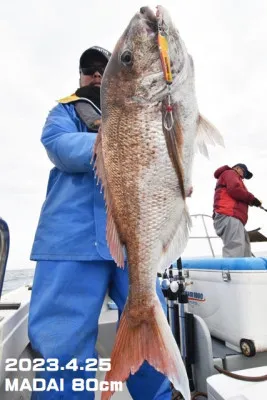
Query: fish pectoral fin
[
  {"x": 174, "y": 140},
  {"x": 151, "y": 340},
  {"x": 177, "y": 238},
  {"x": 207, "y": 134},
  {"x": 114, "y": 242},
  {"x": 112, "y": 235}
]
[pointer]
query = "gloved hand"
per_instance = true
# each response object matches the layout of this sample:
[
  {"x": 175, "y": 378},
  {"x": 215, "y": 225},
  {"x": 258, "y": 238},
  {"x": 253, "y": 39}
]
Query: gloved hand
[{"x": 256, "y": 202}]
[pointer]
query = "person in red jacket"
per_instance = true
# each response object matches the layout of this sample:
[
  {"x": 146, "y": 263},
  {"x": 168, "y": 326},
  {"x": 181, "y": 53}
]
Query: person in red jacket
[{"x": 230, "y": 209}]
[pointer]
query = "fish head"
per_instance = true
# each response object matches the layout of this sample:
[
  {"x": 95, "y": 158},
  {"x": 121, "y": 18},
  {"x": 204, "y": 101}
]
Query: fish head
[
  {"x": 182, "y": 66},
  {"x": 134, "y": 74}
]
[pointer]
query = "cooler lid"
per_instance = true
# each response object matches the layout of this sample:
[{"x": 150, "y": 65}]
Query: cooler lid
[
  {"x": 238, "y": 264},
  {"x": 222, "y": 387}
]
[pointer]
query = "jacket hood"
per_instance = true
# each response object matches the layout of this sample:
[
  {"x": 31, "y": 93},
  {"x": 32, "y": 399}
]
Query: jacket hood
[{"x": 220, "y": 170}]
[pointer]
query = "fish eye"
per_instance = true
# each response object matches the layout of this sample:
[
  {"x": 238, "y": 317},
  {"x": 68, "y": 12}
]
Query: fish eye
[{"x": 126, "y": 58}]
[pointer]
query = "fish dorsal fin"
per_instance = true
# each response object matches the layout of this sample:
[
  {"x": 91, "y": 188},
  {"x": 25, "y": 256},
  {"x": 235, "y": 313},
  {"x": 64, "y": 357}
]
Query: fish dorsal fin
[
  {"x": 112, "y": 235},
  {"x": 207, "y": 134},
  {"x": 174, "y": 142}
]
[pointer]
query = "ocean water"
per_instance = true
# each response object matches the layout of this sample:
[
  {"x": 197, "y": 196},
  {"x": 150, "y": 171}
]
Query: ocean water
[{"x": 15, "y": 278}]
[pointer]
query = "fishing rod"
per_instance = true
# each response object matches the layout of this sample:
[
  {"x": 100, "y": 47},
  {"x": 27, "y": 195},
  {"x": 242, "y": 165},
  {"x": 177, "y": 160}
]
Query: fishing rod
[
  {"x": 186, "y": 326},
  {"x": 165, "y": 285},
  {"x": 181, "y": 322}
]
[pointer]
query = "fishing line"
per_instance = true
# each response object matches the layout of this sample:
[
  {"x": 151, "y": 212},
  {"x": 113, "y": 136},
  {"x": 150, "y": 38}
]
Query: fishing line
[{"x": 166, "y": 67}]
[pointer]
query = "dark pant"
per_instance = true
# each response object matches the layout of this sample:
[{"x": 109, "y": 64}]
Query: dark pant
[{"x": 66, "y": 302}]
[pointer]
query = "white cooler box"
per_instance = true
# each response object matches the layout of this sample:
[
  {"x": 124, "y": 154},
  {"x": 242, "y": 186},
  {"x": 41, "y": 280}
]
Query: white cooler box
[
  {"x": 221, "y": 387},
  {"x": 230, "y": 294}
]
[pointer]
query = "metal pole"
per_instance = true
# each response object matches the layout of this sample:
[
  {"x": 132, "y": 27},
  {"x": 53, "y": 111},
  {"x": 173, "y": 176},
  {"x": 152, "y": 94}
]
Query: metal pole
[{"x": 207, "y": 235}]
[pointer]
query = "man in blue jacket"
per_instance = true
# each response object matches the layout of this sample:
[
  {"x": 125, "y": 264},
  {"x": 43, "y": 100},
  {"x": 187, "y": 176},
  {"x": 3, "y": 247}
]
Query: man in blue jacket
[{"x": 74, "y": 268}]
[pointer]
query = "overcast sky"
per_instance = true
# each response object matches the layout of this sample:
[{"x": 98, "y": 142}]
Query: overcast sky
[{"x": 41, "y": 42}]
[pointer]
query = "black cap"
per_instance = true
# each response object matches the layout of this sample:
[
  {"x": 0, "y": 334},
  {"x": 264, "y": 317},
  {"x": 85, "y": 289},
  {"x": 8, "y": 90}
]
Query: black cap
[
  {"x": 94, "y": 53},
  {"x": 247, "y": 173}
]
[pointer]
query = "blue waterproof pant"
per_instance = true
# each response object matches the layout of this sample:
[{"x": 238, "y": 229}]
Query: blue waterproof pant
[{"x": 66, "y": 302}]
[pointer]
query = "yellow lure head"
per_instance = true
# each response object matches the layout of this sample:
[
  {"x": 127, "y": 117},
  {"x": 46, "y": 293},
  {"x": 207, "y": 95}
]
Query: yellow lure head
[{"x": 164, "y": 56}]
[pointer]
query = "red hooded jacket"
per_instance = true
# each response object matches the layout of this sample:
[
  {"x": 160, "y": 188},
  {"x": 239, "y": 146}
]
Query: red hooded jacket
[{"x": 231, "y": 195}]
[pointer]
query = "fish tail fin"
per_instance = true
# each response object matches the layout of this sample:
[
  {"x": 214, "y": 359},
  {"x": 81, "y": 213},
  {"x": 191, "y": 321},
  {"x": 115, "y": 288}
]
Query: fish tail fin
[{"x": 150, "y": 340}]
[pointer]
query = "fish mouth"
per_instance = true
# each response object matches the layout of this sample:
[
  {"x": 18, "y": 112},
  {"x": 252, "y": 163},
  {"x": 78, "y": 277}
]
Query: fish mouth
[{"x": 149, "y": 18}]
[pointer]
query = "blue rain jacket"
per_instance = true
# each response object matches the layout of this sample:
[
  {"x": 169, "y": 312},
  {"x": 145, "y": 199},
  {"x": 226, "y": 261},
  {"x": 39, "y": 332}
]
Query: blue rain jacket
[{"x": 72, "y": 223}]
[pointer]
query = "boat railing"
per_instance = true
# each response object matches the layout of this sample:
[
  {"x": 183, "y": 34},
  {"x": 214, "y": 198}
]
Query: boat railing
[
  {"x": 206, "y": 235},
  {"x": 255, "y": 236}
]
